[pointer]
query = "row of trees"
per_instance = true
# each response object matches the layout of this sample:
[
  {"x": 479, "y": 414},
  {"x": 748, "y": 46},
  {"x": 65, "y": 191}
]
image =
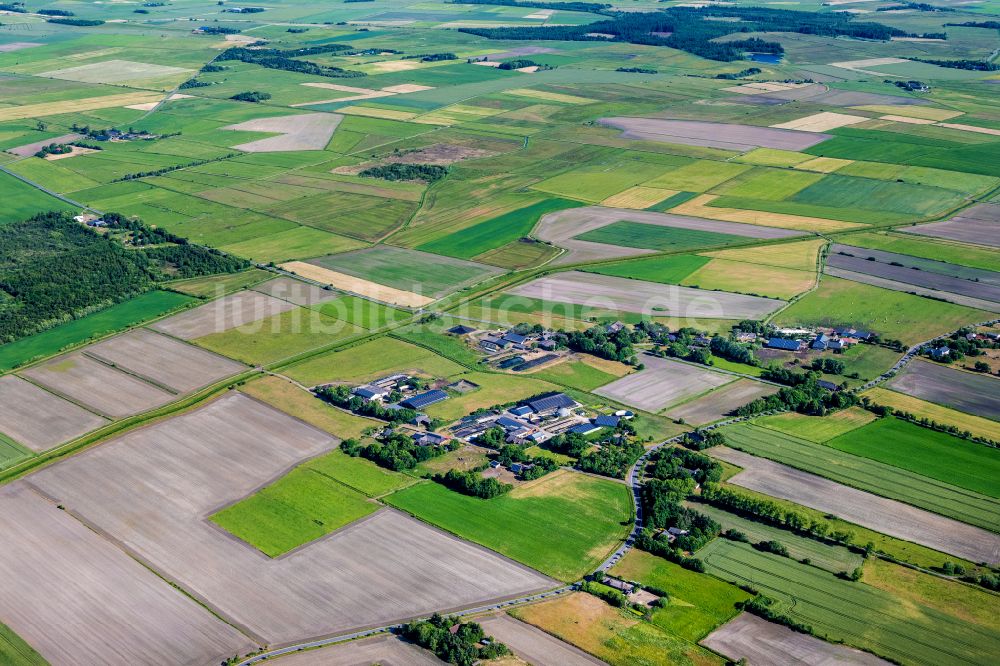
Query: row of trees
[
  {"x": 454, "y": 642},
  {"x": 286, "y": 60},
  {"x": 473, "y": 484},
  {"x": 396, "y": 452},
  {"x": 924, "y": 422},
  {"x": 426, "y": 172},
  {"x": 340, "y": 396}
]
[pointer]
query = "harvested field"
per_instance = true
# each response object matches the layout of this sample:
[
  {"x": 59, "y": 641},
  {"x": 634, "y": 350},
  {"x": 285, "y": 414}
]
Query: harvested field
[
  {"x": 110, "y": 610},
  {"x": 721, "y": 402},
  {"x": 822, "y": 122},
  {"x": 650, "y": 298},
  {"x": 171, "y": 475},
  {"x": 638, "y": 197},
  {"x": 662, "y": 383},
  {"x": 761, "y": 642},
  {"x": 76, "y": 105},
  {"x": 384, "y": 650},
  {"x": 240, "y": 309},
  {"x": 354, "y": 285},
  {"x": 861, "y": 508},
  {"x": 967, "y": 392},
  {"x": 296, "y": 291},
  {"x": 404, "y": 88},
  {"x": 114, "y": 71},
  {"x": 800, "y": 256},
  {"x": 701, "y": 206},
  {"x": 103, "y": 389},
  {"x": 39, "y": 420},
  {"x": 534, "y": 645},
  {"x": 727, "y": 136},
  {"x": 308, "y": 131},
  {"x": 974, "y": 225},
  {"x": 163, "y": 360},
  {"x": 759, "y": 279},
  {"x": 981, "y": 291},
  {"x": 896, "y": 285},
  {"x": 29, "y": 149}
]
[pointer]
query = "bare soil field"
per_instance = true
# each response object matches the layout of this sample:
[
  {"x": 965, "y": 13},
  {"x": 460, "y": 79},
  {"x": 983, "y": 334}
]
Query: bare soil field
[
  {"x": 662, "y": 383},
  {"x": 650, "y": 298},
  {"x": 931, "y": 265},
  {"x": 384, "y": 650},
  {"x": 308, "y": 131},
  {"x": 856, "y": 506},
  {"x": 39, "y": 420},
  {"x": 895, "y": 285},
  {"x": 720, "y": 403},
  {"x": 762, "y": 642},
  {"x": 163, "y": 360},
  {"x": 978, "y": 224},
  {"x": 170, "y": 476},
  {"x": 965, "y": 391},
  {"x": 534, "y": 645},
  {"x": 240, "y": 309},
  {"x": 822, "y": 122},
  {"x": 727, "y": 136},
  {"x": 78, "y": 599},
  {"x": 29, "y": 149},
  {"x": 296, "y": 291},
  {"x": 921, "y": 278},
  {"x": 561, "y": 228},
  {"x": 105, "y": 390},
  {"x": 359, "y": 286}
]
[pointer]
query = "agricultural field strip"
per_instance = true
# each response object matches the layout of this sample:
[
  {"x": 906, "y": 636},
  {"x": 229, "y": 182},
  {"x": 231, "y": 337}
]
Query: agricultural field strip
[
  {"x": 713, "y": 135},
  {"x": 235, "y": 310},
  {"x": 649, "y": 298},
  {"x": 862, "y": 508},
  {"x": 385, "y": 650},
  {"x": 980, "y": 290},
  {"x": 38, "y": 419},
  {"x": 661, "y": 383},
  {"x": 534, "y": 645},
  {"x": 965, "y": 391},
  {"x": 176, "y": 473},
  {"x": 869, "y": 475},
  {"x": 761, "y": 642},
  {"x": 908, "y": 287},
  {"x": 720, "y": 402},
  {"x": 857, "y": 613},
  {"x": 977, "y": 275}
]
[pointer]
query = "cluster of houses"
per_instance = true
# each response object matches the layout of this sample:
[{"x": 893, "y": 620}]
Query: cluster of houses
[
  {"x": 513, "y": 351},
  {"x": 401, "y": 391},
  {"x": 837, "y": 339},
  {"x": 90, "y": 220}
]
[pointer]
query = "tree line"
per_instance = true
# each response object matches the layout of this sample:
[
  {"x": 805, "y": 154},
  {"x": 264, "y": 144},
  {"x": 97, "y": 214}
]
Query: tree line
[
  {"x": 397, "y": 452},
  {"x": 453, "y": 641},
  {"x": 286, "y": 60}
]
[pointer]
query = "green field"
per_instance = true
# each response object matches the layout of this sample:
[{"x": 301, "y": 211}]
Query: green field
[
  {"x": 117, "y": 317},
  {"x": 361, "y": 312},
  {"x": 818, "y": 428},
  {"x": 302, "y": 506},
  {"x": 666, "y": 270},
  {"x": 382, "y": 356},
  {"x": 219, "y": 285},
  {"x": 655, "y": 237},
  {"x": 924, "y": 451},
  {"x": 942, "y": 497},
  {"x": 362, "y": 475},
  {"x": 496, "y": 232},
  {"x": 563, "y": 525},
  {"x": 891, "y": 314},
  {"x": 941, "y": 250},
  {"x": 11, "y": 452},
  {"x": 21, "y": 200},
  {"x": 852, "y": 612},
  {"x": 575, "y": 374},
  {"x": 14, "y": 651},
  {"x": 698, "y": 603}
]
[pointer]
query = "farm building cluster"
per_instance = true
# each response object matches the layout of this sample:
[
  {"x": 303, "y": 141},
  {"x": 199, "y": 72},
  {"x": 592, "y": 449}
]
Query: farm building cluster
[
  {"x": 824, "y": 339},
  {"x": 516, "y": 349}
]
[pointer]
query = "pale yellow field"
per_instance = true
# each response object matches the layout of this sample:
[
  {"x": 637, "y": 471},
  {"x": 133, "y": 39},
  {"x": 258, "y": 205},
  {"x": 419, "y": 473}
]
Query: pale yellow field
[
  {"x": 395, "y": 66},
  {"x": 904, "y": 119},
  {"x": 616, "y": 368},
  {"x": 549, "y": 96},
  {"x": 638, "y": 197},
  {"x": 388, "y": 114},
  {"x": 699, "y": 207},
  {"x": 821, "y": 122},
  {"x": 76, "y": 105},
  {"x": 366, "y": 288},
  {"x": 773, "y": 157},
  {"x": 925, "y": 112},
  {"x": 801, "y": 255},
  {"x": 975, "y": 424},
  {"x": 740, "y": 277},
  {"x": 404, "y": 88},
  {"x": 823, "y": 164},
  {"x": 970, "y": 128}
]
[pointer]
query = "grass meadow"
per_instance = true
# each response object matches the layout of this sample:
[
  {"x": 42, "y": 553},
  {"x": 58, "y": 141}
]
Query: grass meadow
[
  {"x": 665, "y": 270},
  {"x": 563, "y": 525},
  {"x": 655, "y": 237},
  {"x": 292, "y": 400},
  {"x": 977, "y": 425}
]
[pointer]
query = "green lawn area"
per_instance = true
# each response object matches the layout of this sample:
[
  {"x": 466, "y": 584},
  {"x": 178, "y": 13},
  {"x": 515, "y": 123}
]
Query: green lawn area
[
  {"x": 942, "y": 497},
  {"x": 278, "y": 337},
  {"x": 576, "y": 374},
  {"x": 869, "y": 361},
  {"x": 924, "y": 451},
  {"x": 666, "y": 270},
  {"x": 302, "y": 506},
  {"x": 564, "y": 525},
  {"x": 733, "y": 366},
  {"x": 297, "y": 243},
  {"x": 14, "y": 651},
  {"x": 818, "y": 428},
  {"x": 432, "y": 336},
  {"x": 360, "y": 474},
  {"x": 485, "y": 236},
  {"x": 698, "y": 603},
  {"x": 382, "y": 356},
  {"x": 655, "y": 237},
  {"x": 856, "y": 613},
  {"x": 891, "y": 314},
  {"x": 117, "y": 317}
]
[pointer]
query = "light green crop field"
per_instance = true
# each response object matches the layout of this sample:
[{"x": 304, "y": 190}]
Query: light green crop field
[
  {"x": 576, "y": 374},
  {"x": 818, "y": 428},
  {"x": 941, "y": 250},
  {"x": 858, "y": 614},
  {"x": 302, "y": 506},
  {"x": 563, "y": 525},
  {"x": 11, "y": 452},
  {"x": 219, "y": 285},
  {"x": 14, "y": 651},
  {"x": 698, "y": 603},
  {"x": 889, "y": 313},
  {"x": 666, "y": 270},
  {"x": 943, "y": 497},
  {"x": 937, "y": 455},
  {"x": 655, "y": 237}
]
